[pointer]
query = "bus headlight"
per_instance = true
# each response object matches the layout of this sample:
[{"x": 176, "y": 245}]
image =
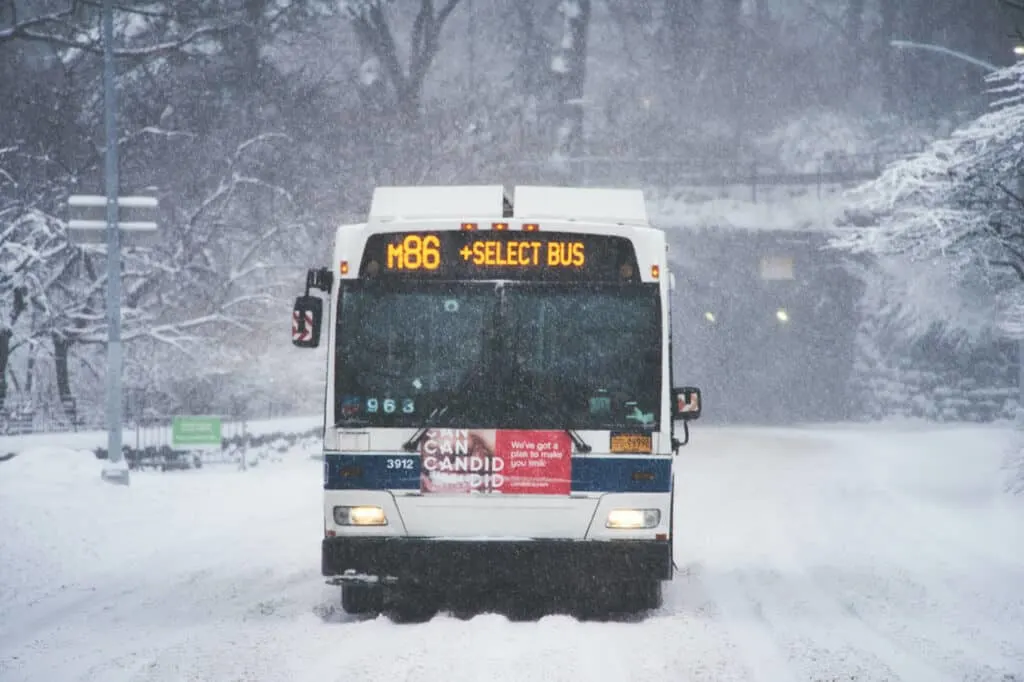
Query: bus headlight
[
  {"x": 633, "y": 518},
  {"x": 360, "y": 516}
]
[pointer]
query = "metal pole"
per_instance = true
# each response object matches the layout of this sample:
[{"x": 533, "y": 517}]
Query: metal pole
[
  {"x": 116, "y": 470},
  {"x": 1020, "y": 384},
  {"x": 1020, "y": 342},
  {"x": 471, "y": 77},
  {"x": 471, "y": 44},
  {"x": 245, "y": 444},
  {"x": 1020, "y": 346}
]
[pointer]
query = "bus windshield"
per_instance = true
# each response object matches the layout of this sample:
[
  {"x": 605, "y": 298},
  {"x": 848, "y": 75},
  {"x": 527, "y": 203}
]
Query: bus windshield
[{"x": 498, "y": 355}]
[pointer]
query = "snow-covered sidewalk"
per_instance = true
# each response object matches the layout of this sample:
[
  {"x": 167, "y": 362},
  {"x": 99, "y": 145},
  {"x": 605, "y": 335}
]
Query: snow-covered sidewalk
[{"x": 820, "y": 554}]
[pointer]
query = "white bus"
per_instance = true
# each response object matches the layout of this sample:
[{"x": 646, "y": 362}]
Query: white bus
[{"x": 499, "y": 411}]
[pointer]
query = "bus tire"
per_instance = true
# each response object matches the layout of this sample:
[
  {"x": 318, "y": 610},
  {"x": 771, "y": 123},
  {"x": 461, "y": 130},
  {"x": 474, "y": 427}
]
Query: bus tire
[
  {"x": 413, "y": 605},
  {"x": 362, "y": 599},
  {"x": 649, "y": 595},
  {"x": 624, "y": 598}
]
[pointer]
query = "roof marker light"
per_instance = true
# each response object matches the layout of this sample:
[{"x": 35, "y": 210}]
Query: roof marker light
[
  {"x": 655, "y": 271},
  {"x": 499, "y": 226},
  {"x": 530, "y": 227},
  {"x": 468, "y": 226}
]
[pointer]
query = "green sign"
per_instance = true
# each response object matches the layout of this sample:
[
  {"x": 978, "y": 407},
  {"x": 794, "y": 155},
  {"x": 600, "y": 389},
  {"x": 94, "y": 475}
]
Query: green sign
[{"x": 195, "y": 432}]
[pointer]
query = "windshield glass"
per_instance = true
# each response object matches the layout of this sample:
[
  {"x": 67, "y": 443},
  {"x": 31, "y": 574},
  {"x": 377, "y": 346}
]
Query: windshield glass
[{"x": 530, "y": 356}]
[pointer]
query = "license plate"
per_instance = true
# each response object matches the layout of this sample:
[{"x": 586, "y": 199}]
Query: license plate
[{"x": 631, "y": 442}]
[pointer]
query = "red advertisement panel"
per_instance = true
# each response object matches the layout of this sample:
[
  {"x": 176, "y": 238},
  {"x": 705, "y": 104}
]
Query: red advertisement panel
[
  {"x": 488, "y": 461},
  {"x": 537, "y": 462}
]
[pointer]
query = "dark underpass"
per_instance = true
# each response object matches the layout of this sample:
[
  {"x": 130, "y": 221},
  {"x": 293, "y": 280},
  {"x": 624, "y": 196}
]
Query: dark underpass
[{"x": 764, "y": 322}]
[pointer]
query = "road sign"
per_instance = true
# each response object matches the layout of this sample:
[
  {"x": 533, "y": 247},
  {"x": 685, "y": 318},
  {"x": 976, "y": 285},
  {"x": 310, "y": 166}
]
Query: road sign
[
  {"x": 195, "y": 432},
  {"x": 90, "y": 227}
]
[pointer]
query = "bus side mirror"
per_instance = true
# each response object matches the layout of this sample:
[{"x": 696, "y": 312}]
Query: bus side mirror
[
  {"x": 306, "y": 318},
  {"x": 686, "y": 403}
]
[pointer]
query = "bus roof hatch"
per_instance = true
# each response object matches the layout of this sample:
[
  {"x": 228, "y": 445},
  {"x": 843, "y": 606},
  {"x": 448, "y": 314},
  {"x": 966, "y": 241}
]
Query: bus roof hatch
[{"x": 416, "y": 203}]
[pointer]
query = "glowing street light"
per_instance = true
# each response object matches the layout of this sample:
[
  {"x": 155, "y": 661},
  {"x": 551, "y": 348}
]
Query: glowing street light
[{"x": 781, "y": 315}]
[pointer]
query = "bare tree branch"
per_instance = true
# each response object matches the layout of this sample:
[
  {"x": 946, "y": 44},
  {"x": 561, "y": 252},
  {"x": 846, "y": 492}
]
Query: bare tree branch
[
  {"x": 445, "y": 12},
  {"x": 16, "y": 28},
  {"x": 26, "y": 31},
  {"x": 128, "y": 9},
  {"x": 1016, "y": 267}
]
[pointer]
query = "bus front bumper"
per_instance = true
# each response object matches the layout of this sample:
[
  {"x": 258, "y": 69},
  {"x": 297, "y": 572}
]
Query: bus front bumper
[{"x": 511, "y": 562}]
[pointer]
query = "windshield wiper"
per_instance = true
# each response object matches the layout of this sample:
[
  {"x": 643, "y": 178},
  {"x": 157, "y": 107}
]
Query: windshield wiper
[
  {"x": 577, "y": 440},
  {"x": 413, "y": 443},
  {"x": 581, "y": 445}
]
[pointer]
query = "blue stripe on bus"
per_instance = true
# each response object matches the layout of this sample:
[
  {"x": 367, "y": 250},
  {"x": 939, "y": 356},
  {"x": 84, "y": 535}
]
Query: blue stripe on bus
[
  {"x": 621, "y": 475},
  {"x": 371, "y": 472},
  {"x": 631, "y": 474}
]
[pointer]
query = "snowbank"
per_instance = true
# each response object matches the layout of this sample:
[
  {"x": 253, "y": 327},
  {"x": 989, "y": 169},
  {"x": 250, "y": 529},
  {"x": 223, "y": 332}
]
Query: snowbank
[{"x": 63, "y": 528}]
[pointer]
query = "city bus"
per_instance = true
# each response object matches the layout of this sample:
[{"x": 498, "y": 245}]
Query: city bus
[{"x": 499, "y": 413}]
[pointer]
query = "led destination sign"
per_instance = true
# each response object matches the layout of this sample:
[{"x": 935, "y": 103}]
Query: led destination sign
[
  {"x": 496, "y": 253},
  {"x": 499, "y": 254}
]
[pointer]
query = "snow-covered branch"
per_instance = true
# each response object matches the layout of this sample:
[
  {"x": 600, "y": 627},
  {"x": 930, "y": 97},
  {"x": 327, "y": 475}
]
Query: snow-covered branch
[
  {"x": 214, "y": 277},
  {"x": 956, "y": 207},
  {"x": 18, "y": 27},
  {"x": 245, "y": 146},
  {"x": 374, "y": 32},
  {"x": 80, "y": 40}
]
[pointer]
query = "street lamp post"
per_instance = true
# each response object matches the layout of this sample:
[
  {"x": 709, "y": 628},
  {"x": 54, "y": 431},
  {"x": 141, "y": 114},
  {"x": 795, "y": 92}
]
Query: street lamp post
[
  {"x": 911, "y": 45},
  {"x": 115, "y": 470}
]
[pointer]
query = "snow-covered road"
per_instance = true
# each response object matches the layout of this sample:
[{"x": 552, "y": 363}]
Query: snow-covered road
[{"x": 859, "y": 553}]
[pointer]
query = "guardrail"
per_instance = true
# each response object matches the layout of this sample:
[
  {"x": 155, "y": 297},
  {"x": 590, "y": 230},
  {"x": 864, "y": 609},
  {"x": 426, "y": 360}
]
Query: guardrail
[
  {"x": 151, "y": 445},
  {"x": 23, "y": 418},
  {"x": 234, "y": 449}
]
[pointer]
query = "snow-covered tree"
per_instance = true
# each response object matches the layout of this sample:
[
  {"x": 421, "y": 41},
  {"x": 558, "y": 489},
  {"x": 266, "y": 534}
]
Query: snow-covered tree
[
  {"x": 382, "y": 57},
  {"x": 569, "y": 69},
  {"x": 29, "y": 240},
  {"x": 231, "y": 222},
  {"x": 947, "y": 225}
]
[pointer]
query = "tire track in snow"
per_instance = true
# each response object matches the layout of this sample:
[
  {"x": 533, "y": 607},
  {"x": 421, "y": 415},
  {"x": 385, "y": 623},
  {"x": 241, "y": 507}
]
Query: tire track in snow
[
  {"x": 753, "y": 636},
  {"x": 758, "y": 575},
  {"x": 931, "y": 636},
  {"x": 928, "y": 576},
  {"x": 925, "y": 575},
  {"x": 262, "y": 639},
  {"x": 806, "y": 544},
  {"x": 211, "y": 600},
  {"x": 813, "y": 620},
  {"x": 888, "y": 590}
]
